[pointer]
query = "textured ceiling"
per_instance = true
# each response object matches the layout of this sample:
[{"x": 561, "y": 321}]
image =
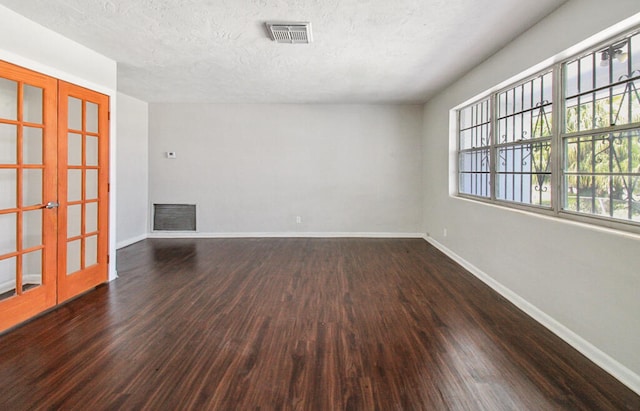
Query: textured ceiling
[{"x": 218, "y": 50}]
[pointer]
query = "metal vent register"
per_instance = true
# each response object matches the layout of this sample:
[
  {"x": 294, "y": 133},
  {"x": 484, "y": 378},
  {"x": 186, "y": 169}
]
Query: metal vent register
[
  {"x": 293, "y": 33},
  {"x": 174, "y": 217}
]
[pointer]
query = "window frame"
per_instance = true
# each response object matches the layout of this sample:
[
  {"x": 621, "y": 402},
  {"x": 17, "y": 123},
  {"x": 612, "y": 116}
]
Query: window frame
[
  {"x": 557, "y": 140},
  {"x": 495, "y": 145},
  {"x": 473, "y": 149}
]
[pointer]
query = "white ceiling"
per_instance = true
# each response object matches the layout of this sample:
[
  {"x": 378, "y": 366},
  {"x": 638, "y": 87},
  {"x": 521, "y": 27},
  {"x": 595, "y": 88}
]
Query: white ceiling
[{"x": 218, "y": 50}]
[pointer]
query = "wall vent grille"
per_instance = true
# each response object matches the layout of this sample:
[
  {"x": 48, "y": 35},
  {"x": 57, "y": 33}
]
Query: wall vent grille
[
  {"x": 174, "y": 217},
  {"x": 292, "y": 33}
]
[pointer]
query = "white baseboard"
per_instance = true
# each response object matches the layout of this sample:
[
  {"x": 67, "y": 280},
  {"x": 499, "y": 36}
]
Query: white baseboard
[
  {"x": 182, "y": 234},
  {"x": 130, "y": 241},
  {"x": 603, "y": 360}
]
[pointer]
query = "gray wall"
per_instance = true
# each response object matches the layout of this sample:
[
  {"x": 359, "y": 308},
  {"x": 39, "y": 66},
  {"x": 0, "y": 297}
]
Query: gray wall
[
  {"x": 585, "y": 278},
  {"x": 132, "y": 167},
  {"x": 255, "y": 168}
]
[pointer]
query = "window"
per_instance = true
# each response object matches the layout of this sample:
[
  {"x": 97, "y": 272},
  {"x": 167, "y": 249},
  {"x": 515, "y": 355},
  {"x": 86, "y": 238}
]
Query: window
[
  {"x": 473, "y": 157},
  {"x": 507, "y": 142},
  {"x": 601, "y": 136},
  {"x": 523, "y": 146}
]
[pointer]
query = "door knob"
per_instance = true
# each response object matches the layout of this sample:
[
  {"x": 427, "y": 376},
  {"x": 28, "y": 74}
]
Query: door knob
[{"x": 52, "y": 204}]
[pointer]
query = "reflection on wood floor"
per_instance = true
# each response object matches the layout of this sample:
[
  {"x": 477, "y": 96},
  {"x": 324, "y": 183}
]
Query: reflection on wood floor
[{"x": 283, "y": 324}]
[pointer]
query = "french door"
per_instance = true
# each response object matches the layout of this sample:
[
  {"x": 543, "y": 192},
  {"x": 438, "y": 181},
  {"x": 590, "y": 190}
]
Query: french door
[
  {"x": 83, "y": 181},
  {"x": 28, "y": 152},
  {"x": 54, "y": 145}
]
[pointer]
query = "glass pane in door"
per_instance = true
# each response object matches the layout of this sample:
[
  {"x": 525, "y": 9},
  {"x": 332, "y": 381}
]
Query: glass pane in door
[
  {"x": 31, "y": 229},
  {"x": 32, "y": 145},
  {"x": 91, "y": 217},
  {"x": 92, "y": 117},
  {"x": 92, "y": 151},
  {"x": 74, "y": 147},
  {"x": 75, "y": 114},
  {"x": 74, "y": 220},
  {"x": 91, "y": 251},
  {"x": 7, "y": 278},
  {"x": 8, "y": 182},
  {"x": 73, "y": 256},
  {"x": 91, "y": 188},
  {"x": 74, "y": 185},
  {"x": 31, "y": 270},
  {"x": 8, "y": 239},
  {"x": 32, "y": 104},
  {"x": 31, "y": 187},
  {"x": 8, "y": 144},
  {"x": 8, "y": 99}
]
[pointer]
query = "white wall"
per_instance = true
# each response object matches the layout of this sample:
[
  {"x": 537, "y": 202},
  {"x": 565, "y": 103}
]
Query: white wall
[
  {"x": 254, "y": 168},
  {"x": 28, "y": 44},
  {"x": 587, "y": 280},
  {"x": 132, "y": 158}
]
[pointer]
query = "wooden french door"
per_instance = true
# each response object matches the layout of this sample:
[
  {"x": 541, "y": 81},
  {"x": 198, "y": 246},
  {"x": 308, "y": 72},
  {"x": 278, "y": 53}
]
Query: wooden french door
[
  {"x": 53, "y": 192},
  {"x": 83, "y": 181},
  {"x": 28, "y": 177}
]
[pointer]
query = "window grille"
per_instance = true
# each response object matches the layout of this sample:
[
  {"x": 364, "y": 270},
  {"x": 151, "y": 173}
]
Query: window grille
[
  {"x": 474, "y": 142},
  {"x": 523, "y": 146},
  {"x": 601, "y": 132},
  {"x": 565, "y": 141}
]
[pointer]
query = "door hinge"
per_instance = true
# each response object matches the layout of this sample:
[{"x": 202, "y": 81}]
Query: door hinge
[
  {"x": 108, "y": 187},
  {"x": 109, "y": 115},
  {"x": 108, "y": 258}
]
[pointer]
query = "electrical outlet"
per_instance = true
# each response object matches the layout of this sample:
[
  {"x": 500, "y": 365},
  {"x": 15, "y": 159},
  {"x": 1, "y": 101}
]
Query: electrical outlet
[
  {"x": 444, "y": 232},
  {"x": 298, "y": 219}
]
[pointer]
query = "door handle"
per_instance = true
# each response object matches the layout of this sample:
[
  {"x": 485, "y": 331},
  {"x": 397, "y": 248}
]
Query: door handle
[{"x": 51, "y": 204}]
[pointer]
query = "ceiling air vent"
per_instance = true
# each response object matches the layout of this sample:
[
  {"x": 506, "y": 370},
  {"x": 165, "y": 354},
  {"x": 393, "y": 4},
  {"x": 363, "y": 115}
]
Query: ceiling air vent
[{"x": 293, "y": 33}]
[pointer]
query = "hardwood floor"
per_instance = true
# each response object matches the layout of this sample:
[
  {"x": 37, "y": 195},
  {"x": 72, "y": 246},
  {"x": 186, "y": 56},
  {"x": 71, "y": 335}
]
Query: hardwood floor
[{"x": 304, "y": 324}]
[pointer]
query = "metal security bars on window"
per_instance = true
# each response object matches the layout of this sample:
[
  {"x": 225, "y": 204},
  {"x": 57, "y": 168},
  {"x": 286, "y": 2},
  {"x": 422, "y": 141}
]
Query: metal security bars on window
[
  {"x": 473, "y": 157},
  {"x": 521, "y": 171},
  {"x": 601, "y": 132},
  {"x": 584, "y": 164},
  {"x": 523, "y": 149},
  {"x": 601, "y": 174}
]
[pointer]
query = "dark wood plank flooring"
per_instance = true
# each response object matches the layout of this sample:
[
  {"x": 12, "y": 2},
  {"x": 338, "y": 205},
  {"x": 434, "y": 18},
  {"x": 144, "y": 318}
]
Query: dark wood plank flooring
[{"x": 295, "y": 324}]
